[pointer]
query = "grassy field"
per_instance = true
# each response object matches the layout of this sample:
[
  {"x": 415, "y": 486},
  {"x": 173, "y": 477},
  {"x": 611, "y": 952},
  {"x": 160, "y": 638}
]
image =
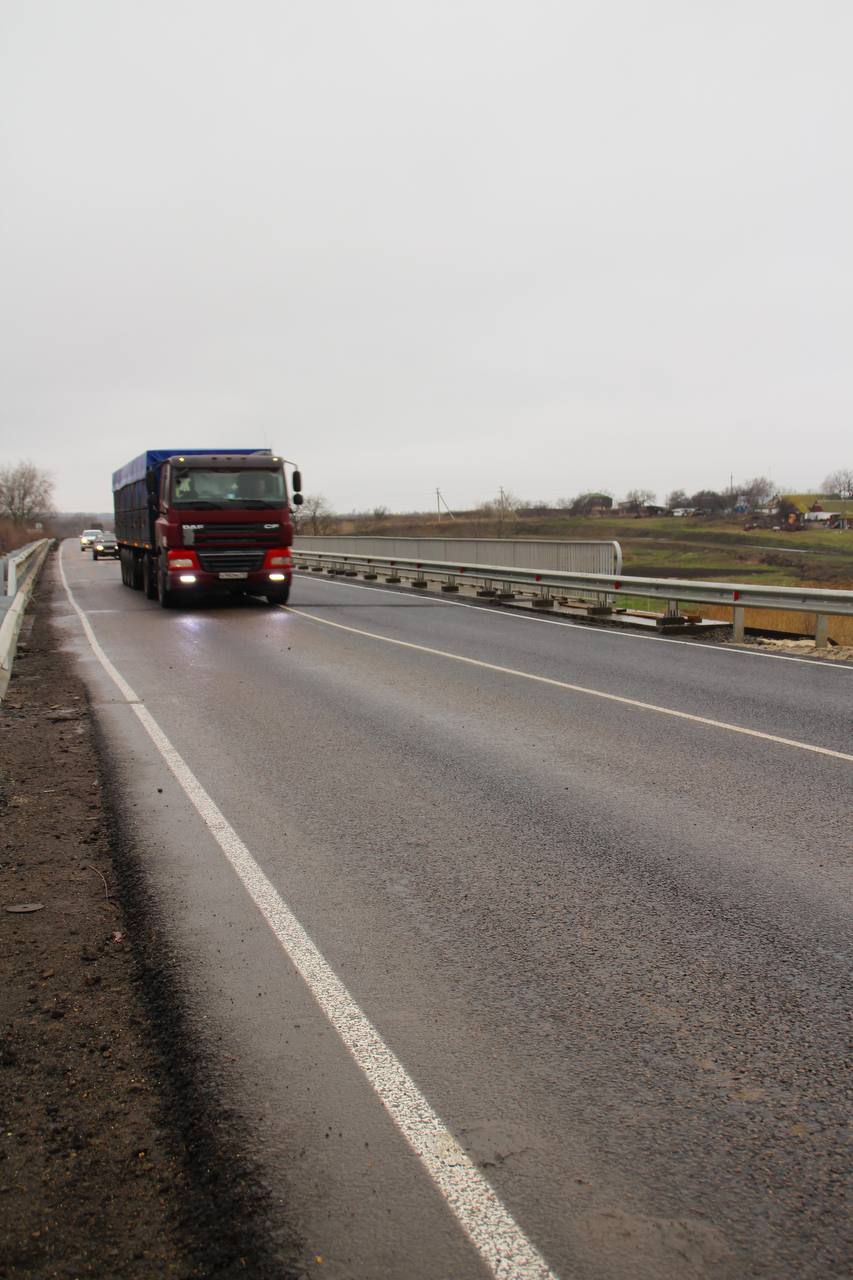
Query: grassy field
[{"x": 719, "y": 550}]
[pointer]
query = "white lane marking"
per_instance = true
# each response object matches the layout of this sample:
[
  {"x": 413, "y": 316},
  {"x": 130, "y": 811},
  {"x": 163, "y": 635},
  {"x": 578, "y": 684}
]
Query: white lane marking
[
  {"x": 573, "y": 688},
  {"x": 610, "y": 632},
  {"x": 500, "y": 1241}
]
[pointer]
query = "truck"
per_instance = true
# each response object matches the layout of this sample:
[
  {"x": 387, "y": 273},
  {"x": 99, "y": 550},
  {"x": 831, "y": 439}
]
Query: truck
[{"x": 191, "y": 522}]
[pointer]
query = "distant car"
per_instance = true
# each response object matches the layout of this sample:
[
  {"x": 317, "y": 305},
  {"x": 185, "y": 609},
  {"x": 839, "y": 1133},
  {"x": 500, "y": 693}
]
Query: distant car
[
  {"x": 105, "y": 545},
  {"x": 88, "y": 536}
]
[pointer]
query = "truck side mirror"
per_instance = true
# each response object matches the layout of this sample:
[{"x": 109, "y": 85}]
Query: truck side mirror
[
  {"x": 298, "y": 499},
  {"x": 297, "y": 483}
]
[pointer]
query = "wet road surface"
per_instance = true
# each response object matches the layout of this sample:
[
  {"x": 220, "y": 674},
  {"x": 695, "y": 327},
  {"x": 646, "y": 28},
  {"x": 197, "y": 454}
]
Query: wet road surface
[{"x": 608, "y": 945}]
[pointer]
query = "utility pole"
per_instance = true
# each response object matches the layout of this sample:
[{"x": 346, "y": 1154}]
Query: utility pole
[{"x": 439, "y": 503}]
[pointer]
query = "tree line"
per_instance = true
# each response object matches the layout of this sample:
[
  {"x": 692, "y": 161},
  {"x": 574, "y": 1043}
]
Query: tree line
[{"x": 26, "y": 499}]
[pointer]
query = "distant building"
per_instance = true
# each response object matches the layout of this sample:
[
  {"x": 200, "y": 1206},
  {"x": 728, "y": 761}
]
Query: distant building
[
  {"x": 592, "y": 504},
  {"x": 821, "y": 509}
]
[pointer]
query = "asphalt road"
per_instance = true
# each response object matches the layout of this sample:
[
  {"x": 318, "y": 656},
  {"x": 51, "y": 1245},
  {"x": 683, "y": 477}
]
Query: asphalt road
[{"x": 609, "y": 945}]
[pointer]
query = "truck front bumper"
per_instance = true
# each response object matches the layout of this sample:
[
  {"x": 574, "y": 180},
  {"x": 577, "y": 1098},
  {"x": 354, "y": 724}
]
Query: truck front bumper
[{"x": 259, "y": 583}]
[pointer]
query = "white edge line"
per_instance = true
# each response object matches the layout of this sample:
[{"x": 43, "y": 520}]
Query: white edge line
[
  {"x": 501, "y": 1243},
  {"x": 572, "y": 688},
  {"x": 610, "y": 632}
]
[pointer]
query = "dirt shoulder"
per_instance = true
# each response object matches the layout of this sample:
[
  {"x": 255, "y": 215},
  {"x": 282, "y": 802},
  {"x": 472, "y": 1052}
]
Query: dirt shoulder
[{"x": 113, "y": 1159}]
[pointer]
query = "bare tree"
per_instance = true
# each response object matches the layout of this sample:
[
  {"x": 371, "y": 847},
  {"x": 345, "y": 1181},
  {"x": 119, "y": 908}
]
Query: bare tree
[
  {"x": 503, "y": 510},
  {"x": 636, "y": 499},
  {"x": 708, "y": 500},
  {"x": 678, "y": 498},
  {"x": 26, "y": 493},
  {"x": 840, "y": 482},
  {"x": 315, "y": 515},
  {"x": 757, "y": 491}
]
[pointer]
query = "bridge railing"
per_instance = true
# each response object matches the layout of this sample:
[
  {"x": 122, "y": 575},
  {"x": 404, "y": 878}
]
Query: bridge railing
[
  {"x": 564, "y": 555},
  {"x": 549, "y": 585},
  {"x": 20, "y": 570},
  {"x": 15, "y": 565}
]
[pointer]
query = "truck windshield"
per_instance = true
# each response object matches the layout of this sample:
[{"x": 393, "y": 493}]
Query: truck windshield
[{"x": 194, "y": 487}]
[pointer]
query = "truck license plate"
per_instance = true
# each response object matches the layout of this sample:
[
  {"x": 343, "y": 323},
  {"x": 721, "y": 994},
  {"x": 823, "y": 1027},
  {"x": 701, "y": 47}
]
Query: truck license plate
[{"x": 233, "y": 574}]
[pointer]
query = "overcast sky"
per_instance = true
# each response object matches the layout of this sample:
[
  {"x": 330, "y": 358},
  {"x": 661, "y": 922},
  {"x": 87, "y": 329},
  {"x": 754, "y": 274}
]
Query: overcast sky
[{"x": 409, "y": 243}]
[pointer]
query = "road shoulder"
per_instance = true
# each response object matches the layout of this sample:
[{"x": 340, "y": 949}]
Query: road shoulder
[{"x": 114, "y": 1161}]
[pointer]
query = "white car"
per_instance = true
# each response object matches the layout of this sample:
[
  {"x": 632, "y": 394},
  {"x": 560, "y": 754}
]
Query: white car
[{"x": 88, "y": 536}]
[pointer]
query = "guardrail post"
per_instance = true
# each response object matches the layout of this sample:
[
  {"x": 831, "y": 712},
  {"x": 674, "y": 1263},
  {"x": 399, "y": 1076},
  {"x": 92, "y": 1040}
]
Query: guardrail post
[
  {"x": 544, "y": 600},
  {"x": 451, "y": 584},
  {"x": 12, "y": 578},
  {"x": 737, "y": 623},
  {"x": 672, "y": 617},
  {"x": 821, "y": 631}
]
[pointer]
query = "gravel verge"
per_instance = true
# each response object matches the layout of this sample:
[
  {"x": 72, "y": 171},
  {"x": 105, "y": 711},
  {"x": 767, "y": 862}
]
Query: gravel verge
[{"x": 115, "y": 1160}]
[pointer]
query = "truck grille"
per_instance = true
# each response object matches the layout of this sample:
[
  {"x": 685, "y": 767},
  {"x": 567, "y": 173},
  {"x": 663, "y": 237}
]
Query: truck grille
[
  {"x": 230, "y": 561},
  {"x": 258, "y": 533}
]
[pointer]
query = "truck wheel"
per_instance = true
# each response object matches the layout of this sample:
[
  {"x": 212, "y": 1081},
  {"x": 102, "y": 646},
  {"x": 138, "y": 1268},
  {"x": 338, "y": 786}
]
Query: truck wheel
[
  {"x": 164, "y": 595},
  {"x": 135, "y": 578},
  {"x": 280, "y": 596},
  {"x": 149, "y": 577}
]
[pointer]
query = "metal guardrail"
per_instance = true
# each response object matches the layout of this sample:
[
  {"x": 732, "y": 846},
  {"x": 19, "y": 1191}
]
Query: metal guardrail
[
  {"x": 13, "y": 564},
  {"x": 608, "y": 587},
  {"x": 20, "y": 572}
]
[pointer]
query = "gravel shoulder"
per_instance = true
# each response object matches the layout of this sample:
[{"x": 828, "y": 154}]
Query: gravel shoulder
[{"x": 114, "y": 1161}]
